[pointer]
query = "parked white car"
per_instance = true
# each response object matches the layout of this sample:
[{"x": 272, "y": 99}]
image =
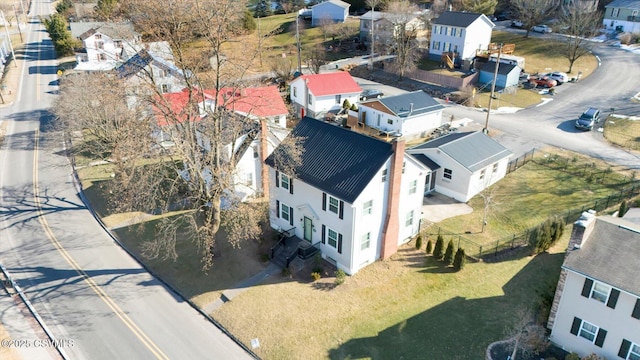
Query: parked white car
[
  {"x": 541, "y": 29},
  {"x": 558, "y": 76}
]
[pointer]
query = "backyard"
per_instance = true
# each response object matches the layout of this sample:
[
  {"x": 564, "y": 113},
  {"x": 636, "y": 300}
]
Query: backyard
[{"x": 409, "y": 306}]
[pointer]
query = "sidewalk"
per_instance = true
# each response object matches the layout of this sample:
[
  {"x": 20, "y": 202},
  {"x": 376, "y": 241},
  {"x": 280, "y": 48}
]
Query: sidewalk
[{"x": 10, "y": 85}]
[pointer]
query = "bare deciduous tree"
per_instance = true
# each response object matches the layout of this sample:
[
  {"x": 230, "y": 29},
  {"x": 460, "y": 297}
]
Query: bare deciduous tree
[
  {"x": 282, "y": 67},
  {"x": 316, "y": 57},
  {"x": 529, "y": 337},
  {"x": 533, "y": 12},
  {"x": 406, "y": 23},
  {"x": 486, "y": 7},
  {"x": 580, "y": 21}
]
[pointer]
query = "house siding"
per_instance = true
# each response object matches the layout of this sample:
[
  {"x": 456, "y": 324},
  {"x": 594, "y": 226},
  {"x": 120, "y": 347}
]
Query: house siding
[
  {"x": 617, "y": 322},
  {"x": 328, "y": 10},
  {"x": 416, "y": 126},
  {"x": 627, "y": 19},
  {"x": 476, "y": 36},
  {"x": 319, "y": 105}
]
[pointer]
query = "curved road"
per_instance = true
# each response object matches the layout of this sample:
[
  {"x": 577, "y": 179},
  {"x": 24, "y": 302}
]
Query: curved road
[{"x": 89, "y": 292}]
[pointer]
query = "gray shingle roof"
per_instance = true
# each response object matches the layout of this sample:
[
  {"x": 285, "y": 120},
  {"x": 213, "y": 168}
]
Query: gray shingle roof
[
  {"x": 456, "y": 18},
  {"x": 336, "y": 160},
  {"x": 118, "y": 31},
  {"x": 624, "y": 4},
  {"x": 503, "y": 69},
  {"x": 473, "y": 150},
  {"x": 610, "y": 254},
  {"x": 401, "y": 105}
]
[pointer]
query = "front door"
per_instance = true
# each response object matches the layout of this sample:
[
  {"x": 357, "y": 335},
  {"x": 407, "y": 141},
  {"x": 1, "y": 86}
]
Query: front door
[{"x": 308, "y": 228}]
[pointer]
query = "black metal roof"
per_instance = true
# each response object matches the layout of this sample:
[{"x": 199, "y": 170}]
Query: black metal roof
[
  {"x": 424, "y": 159},
  {"x": 336, "y": 160},
  {"x": 411, "y": 104},
  {"x": 503, "y": 69},
  {"x": 609, "y": 254},
  {"x": 456, "y": 18},
  {"x": 136, "y": 63}
]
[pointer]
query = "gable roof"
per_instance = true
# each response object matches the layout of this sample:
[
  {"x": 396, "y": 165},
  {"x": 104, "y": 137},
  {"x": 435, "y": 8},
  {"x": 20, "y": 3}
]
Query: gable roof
[
  {"x": 625, "y": 4},
  {"x": 262, "y": 101},
  {"x": 335, "y": 83},
  {"x": 503, "y": 69},
  {"x": 141, "y": 60},
  {"x": 430, "y": 164},
  {"x": 377, "y": 15},
  {"x": 410, "y": 104},
  {"x": 610, "y": 254},
  {"x": 458, "y": 19},
  {"x": 121, "y": 30},
  {"x": 473, "y": 150},
  {"x": 336, "y": 160},
  {"x": 340, "y": 3}
]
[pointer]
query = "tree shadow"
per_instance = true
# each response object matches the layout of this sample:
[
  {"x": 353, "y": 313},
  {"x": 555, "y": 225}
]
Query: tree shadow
[{"x": 446, "y": 330}]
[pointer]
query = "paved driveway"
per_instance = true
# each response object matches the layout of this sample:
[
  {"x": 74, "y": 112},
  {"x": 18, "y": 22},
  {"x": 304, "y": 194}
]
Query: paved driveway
[{"x": 437, "y": 207}]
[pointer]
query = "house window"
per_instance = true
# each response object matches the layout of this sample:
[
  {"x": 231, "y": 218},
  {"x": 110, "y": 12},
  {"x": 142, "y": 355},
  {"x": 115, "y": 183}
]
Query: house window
[
  {"x": 404, "y": 165},
  {"x": 446, "y": 31},
  {"x": 367, "y": 208},
  {"x": 600, "y": 292},
  {"x": 310, "y": 99},
  {"x": 390, "y": 121},
  {"x": 413, "y": 186},
  {"x": 408, "y": 221},
  {"x": 118, "y": 44},
  {"x": 164, "y": 88},
  {"x": 102, "y": 57},
  {"x": 338, "y": 99},
  {"x": 98, "y": 36},
  {"x": 454, "y": 31},
  {"x": 615, "y": 12},
  {"x": 441, "y": 29},
  {"x": 99, "y": 45},
  {"x": 295, "y": 92},
  {"x": 436, "y": 45},
  {"x": 366, "y": 241},
  {"x": 448, "y": 174},
  {"x": 255, "y": 153},
  {"x": 332, "y": 238},
  {"x": 284, "y": 181},
  {"x": 634, "y": 352},
  {"x": 435, "y": 29},
  {"x": 588, "y": 331},
  {"x": 482, "y": 174},
  {"x": 495, "y": 168},
  {"x": 334, "y": 204},
  {"x": 248, "y": 179},
  {"x": 285, "y": 212},
  {"x": 384, "y": 175},
  {"x": 634, "y": 13}
]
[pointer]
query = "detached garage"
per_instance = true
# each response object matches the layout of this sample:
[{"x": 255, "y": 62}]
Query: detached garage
[{"x": 508, "y": 74}]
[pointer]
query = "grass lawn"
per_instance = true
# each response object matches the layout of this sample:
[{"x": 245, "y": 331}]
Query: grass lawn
[{"x": 623, "y": 132}]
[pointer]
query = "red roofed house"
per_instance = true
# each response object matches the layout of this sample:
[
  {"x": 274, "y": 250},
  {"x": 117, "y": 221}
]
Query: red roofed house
[
  {"x": 254, "y": 103},
  {"x": 315, "y": 95}
]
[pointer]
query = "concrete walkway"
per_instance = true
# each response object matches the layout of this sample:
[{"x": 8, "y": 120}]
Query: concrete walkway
[{"x": 229, "y": 294}]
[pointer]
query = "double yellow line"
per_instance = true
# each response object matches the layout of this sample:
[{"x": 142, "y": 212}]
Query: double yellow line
[{"x": 87, "y": 279}]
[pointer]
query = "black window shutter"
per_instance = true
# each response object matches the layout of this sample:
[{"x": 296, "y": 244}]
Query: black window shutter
[
  {"x": 341, "y": 213},
  {"x": 324, "y": 231},
  {"x": 602, "y": 333},
  {"x": 277, "y": 208},
  {"x": 636, "y": 310},
  {"x": 324, "y": 201},
  {"x": 290, "y": 185},
  {"x": 291, "y": 216},
  {"x": 586, "y": 289},
  {"x": 624, "y": 348},
  {"x": 613, "y": 298},
  {"x": 575, "y": 327},
  {"x": 339, "y": 243},
  {"x": 277, "y": 178}
]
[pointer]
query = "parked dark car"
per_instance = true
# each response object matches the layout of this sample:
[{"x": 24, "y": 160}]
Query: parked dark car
[
  {"x": 590, "y": 117},
  {"x": 371, "y": 94}
]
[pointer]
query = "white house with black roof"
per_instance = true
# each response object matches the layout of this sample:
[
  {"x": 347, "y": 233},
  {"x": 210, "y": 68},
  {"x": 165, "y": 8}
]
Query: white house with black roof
[
  {"x": 409, "y": 115},
  {"x": 355, "y": 197},
  {"x": 596, "y": 308},
  {"x": 468, "y": 162},
  {"x": 460, "y": 32}
]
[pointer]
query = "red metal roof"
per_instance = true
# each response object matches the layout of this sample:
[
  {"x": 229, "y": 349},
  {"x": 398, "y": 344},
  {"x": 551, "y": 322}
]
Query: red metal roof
[{"x": 335, "y": 83}]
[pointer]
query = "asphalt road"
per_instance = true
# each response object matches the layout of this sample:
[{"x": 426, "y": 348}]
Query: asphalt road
[{"x": 90, "y": 293}]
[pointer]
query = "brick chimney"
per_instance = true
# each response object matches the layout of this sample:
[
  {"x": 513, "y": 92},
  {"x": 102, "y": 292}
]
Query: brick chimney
[
  {"x": 391, "y": 223},
  {"x": 264, "y": 151},
  {"x": 581, "y": 230}
]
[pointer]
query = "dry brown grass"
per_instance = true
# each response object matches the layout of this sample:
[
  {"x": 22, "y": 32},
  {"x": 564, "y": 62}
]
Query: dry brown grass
[{"x": 623, "y": 132}]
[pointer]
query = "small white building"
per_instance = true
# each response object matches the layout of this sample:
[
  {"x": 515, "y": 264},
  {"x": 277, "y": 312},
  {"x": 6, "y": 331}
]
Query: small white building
[
  {"x": 335, "y": 11},
  {"x": 596, "y": 308},
  {"x": 460, "y": 33},
  {"x": 354, "y": 197},
  {"x": 316, "y": 94},
  {"x": 409, "y": 115},
  {"x": 103, "y": 44},
  {"x": 469, "y": 162}
]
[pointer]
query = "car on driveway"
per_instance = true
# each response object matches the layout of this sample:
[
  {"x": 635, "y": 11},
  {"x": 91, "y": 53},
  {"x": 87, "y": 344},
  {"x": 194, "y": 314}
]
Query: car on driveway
[
  {"x": 542, "y": 81},
  {"x": 590, "y": 117},
  {"x": 559, "y": 76},
  {"x": 371, "y": 94},
  {"x": 544, "y": 29},
  {"x": 517, "y": 24}
]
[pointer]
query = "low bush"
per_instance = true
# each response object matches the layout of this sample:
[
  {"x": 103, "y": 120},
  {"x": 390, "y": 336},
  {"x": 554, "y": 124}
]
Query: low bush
[
  {"x": 315, "y": 276},
  {"x": 429, "y": 247},
  {"x": 340, "y": 277},
  {"x": 418, "y": 242}
]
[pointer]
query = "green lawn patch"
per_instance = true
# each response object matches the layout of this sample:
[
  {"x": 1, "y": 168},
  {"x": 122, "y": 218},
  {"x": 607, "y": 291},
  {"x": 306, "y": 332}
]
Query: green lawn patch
[{"x": 623, "y": 132}]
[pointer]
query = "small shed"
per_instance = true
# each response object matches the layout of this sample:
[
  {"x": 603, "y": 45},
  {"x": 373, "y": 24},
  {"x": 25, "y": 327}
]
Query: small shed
[
  {"x": 335, "y": 11},
  {"x": 508, "y": 74}
]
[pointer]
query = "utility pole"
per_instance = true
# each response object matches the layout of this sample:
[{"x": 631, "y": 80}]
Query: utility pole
[
  {"x": 18, "y": 23},
  {"x": 493, "y": 89},
  {"x": 13, "y": 54},
  {"x": 373, "y": 38},
  {"x": 298, "y": 44},
  {"x": 26, "y": 19}
]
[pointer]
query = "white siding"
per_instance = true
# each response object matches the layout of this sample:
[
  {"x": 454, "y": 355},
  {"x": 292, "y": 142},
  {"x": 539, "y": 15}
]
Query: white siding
[
  {"x": 617, "y": 322},
  {"x": 328, "y": 10},
  {"x": 419, "y": 126},
  {"x": 475, "y": 36}
]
